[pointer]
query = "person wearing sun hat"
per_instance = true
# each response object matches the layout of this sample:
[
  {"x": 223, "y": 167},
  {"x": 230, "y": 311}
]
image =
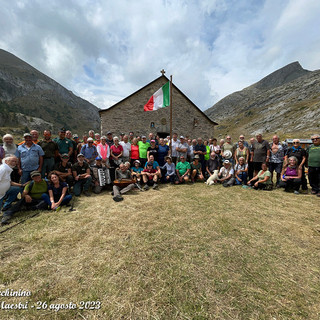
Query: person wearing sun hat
[{"x": 226, "y": 174}]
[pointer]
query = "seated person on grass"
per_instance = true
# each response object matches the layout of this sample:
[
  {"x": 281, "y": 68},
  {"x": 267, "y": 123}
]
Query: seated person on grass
[
  {"x": 155, "y": 165},
  {"x": 196, "y": 169},
  {"x": 182, "y": 171},
  {"x": 31, "y": 199},
  {"x": 241, "y": 171},
  {"x": 136, "y": 171},
  {"x": 226, "y": 174},
  {"x": 58, "y": 193},
  {"x": 8, "y": 189},
  {"x": 291, "y": 176},
  {"x": 212, "y": 169},
  {"x": 82, "y": 177},
  {"x": 262, "y": 180},
  {"x": 121, "y": 173},
  {"x": 63, "y": 170},
  {"x": 170, "y": 170},
  {"x": 150, "y": 177}
]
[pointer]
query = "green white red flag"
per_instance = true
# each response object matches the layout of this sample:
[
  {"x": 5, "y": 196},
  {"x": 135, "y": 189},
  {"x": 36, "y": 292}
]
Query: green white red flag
[{"x": 159, "y": 99}]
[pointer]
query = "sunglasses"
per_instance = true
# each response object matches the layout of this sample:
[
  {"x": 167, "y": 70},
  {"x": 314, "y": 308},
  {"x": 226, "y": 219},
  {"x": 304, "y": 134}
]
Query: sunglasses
[
  {"x": 296, "y": 142},
  {"x": 315, "y": 139}
]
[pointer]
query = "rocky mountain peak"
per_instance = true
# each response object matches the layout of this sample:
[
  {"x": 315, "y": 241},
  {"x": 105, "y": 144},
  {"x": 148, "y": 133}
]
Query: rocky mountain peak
[{"x": 281, "y": 76}]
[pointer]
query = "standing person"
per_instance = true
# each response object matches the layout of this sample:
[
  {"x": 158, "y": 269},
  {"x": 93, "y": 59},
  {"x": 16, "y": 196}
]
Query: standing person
[
  {"x": 163, "y": 151},
  {"x": 152, "y": 150},
  {"x": 89, "y": 151},
  {"x": 297, "y": 151},
  {"x": 261, "y": 153},
  {"x": 77, "y": 142},
  {"x": 50, "y": 149},
  {"x": 116, "y": 152},
  {"x": 91, "y": 134},
  {"x": 8, "y": 189},
  {"x": 58, "y": 193},
  {"x": 134, "y": 151},
  {"x": 175, "y": 144},
  {"x": 81, "y": 144},
  {"x": 182, "y": 148},
  {"x": 207, "y": 155},
  {"x": 250, "y": 162},
  {"x": 276, "y": 158},
  {"x": 104, "y": 151},
  {"x": 97, "y": 139},
  {"x": 10, "y": 148},
  {"x": 126, "y": 145},
  {"x": 82, "y": 177},
  {"x": 73, "y": 156},
  {"x": 131, "y": 136},
  {"x": 314, "y": 165},
  {"x": 30, "y": 157},
  {"x": 227, "y": 149},
  {"x": 245, "y": 143},
  {"x": 200, "y": 150},
  {"x": 241, "y": 152},
  {"x": 143, "y": 150},
  {"x": 64, "y": 145},
  {"x": 2, "y": 154},
  {"x": 214, "y": 147},
  {"x": 109, "y": 139}
]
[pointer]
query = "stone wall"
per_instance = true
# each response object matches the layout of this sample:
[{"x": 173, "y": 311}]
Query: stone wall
[{"x": 129, "y": 115}]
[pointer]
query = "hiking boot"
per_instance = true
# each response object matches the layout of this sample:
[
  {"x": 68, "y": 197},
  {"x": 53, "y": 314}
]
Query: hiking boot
[
  {"x": 5, "y": 219},
  {"x": 155, "y": 186},
  {"x": 87, "y": 193},
  {"x": 146, "y": 187},
  {"x": 117, "y": 198}
]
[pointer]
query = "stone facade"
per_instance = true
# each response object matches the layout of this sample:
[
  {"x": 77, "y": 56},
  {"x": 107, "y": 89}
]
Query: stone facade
[{"x": 128, "y": 115}]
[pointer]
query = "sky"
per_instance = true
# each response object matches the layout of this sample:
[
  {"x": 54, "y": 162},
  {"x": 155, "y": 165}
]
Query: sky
[{"x": 105, "y": 50}]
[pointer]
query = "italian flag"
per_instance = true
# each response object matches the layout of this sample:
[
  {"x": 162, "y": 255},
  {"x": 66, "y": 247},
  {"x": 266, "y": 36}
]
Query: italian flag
[{"x": 159, "y": 99}]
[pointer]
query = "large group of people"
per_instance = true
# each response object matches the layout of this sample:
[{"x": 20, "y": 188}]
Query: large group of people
[{"x": 49, "y": 172}]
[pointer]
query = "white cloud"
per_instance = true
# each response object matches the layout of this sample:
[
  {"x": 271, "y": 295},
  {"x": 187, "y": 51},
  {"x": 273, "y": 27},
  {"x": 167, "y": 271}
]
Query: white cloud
[{"x": 105, "y": 50}]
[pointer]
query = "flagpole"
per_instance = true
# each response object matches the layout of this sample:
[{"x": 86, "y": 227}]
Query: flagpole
[{"x": 171, "y": 115}]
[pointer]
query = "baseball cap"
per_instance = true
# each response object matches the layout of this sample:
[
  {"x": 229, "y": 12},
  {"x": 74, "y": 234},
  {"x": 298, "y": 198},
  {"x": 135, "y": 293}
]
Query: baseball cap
[{"x": 35, "y": 173}]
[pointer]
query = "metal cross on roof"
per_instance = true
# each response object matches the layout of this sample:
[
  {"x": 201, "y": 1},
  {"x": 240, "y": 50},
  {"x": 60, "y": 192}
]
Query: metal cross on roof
[{"x": 163, "y": 72}]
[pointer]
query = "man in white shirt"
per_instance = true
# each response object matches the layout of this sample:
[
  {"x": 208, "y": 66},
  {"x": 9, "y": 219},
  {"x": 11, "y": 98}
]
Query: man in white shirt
[
  {"x": 175, "y": 144},
  {"x": 126, "y": 145},
  {"x": 8, "y": 189}
]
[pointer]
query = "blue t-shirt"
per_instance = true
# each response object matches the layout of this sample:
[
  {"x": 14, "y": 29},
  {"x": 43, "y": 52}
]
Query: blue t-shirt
[
  {"x": 137, "y": 170},
  {"x": 155, "y": 165}
]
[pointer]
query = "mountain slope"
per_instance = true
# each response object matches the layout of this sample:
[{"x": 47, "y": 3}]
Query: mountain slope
[
  {"x": 286, "y": 102},
  {"x": 23, "y": 89}
]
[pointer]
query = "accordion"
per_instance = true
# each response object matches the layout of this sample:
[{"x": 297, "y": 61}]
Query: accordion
[{"x": 104, "y": 176}]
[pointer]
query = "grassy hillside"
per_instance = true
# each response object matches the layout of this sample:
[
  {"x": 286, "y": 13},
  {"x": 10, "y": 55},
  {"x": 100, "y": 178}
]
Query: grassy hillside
[{"x": 186, "y": 252}]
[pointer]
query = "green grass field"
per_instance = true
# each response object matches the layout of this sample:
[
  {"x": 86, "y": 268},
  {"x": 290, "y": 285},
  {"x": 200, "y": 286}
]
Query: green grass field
[{"x": 182, "y": 252}]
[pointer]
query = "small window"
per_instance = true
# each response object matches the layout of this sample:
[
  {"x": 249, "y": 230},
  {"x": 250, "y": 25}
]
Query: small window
[{"x": 152, "y": 125}]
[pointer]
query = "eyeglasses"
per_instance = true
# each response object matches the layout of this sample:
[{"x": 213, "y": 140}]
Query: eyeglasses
[
  {"x": 315, "y": 139},
  {"x": 296, "y": 142}
]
